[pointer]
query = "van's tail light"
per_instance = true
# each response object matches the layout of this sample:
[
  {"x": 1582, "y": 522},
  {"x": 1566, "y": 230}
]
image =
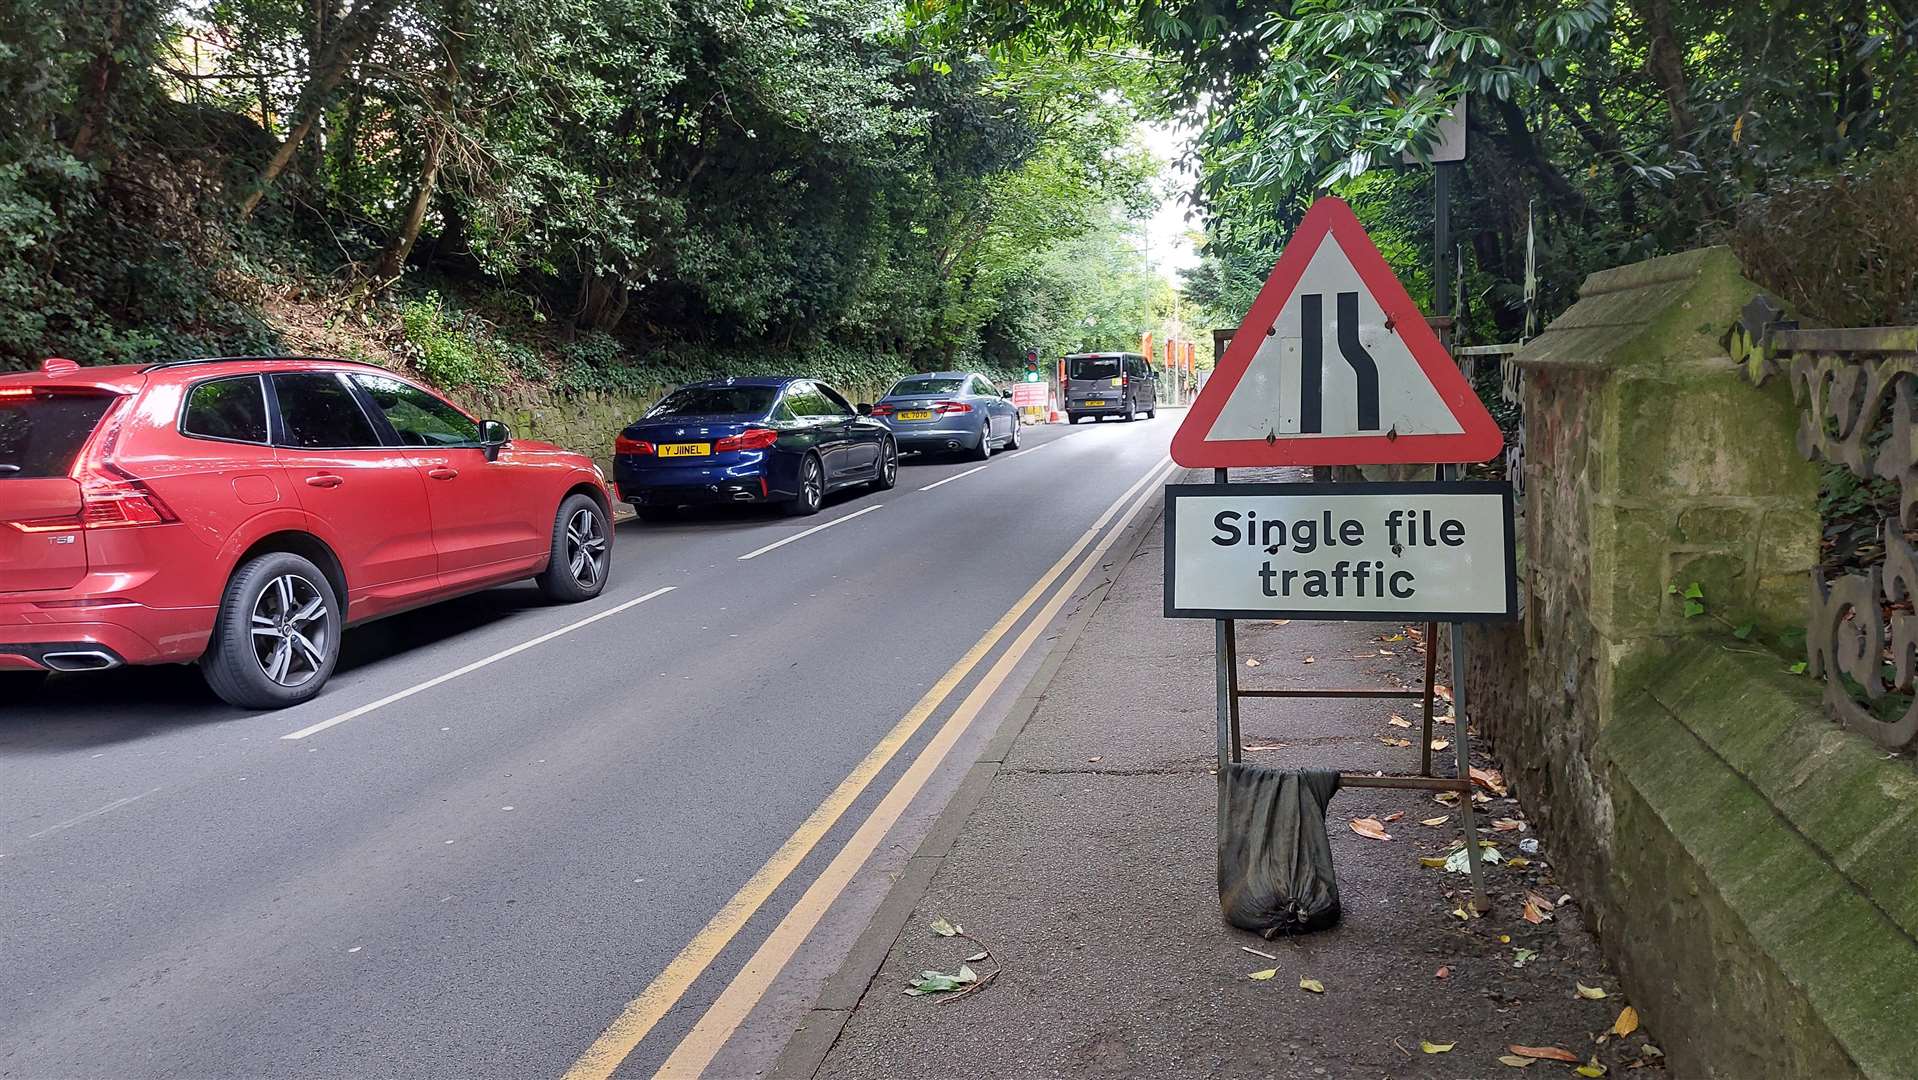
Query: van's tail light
[
  {"x": 951, "y": 407},
  {"x": 750, "y": 439},
  {"x": 624, "y": 445}
]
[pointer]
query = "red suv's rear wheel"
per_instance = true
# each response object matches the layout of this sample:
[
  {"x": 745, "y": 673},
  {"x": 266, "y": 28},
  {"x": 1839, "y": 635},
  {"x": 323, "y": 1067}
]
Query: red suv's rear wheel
[{"x": 278, "y": 635}]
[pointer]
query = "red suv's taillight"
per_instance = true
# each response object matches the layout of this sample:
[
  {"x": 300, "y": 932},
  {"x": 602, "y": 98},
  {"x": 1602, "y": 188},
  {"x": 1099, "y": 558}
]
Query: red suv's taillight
[
  {"x": 110, "y": 499},
  {"x": 750, "y": 439},
  {"x": 624, "y": 445},
  {"x": 951, "y": 407}
]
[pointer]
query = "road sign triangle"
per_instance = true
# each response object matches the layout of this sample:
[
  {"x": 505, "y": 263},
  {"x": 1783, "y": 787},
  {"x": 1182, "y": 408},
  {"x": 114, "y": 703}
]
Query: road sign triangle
[{"x": 1334, "y": 365}]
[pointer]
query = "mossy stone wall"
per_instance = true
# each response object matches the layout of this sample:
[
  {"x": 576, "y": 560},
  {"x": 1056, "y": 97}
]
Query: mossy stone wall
[{"x": 1694, "y": 795}]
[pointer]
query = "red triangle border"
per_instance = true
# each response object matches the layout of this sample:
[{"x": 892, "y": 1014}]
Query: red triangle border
[{"x": 1479, "y": 439}]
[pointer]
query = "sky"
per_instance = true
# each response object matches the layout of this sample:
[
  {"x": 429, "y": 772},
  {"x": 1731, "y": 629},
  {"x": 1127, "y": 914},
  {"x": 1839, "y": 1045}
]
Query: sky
[{"x": 1167, "y": 247}]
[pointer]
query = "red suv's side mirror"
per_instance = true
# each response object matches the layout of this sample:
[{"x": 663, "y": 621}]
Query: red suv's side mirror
[{"x": 493, "y": 436}]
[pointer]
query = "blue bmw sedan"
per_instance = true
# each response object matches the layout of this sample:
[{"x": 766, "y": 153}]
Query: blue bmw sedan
[
  {"x": 777, "y": 440},
  {"x": 950, "y": 410}
]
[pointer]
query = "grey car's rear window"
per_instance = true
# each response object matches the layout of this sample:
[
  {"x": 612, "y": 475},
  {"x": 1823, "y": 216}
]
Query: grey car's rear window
[
  {"x": 716, "y": 400},
  {"x": 919, "y": 387},
  {"x": 1092, "y": 367},
  {"x": 41, "y": 435}
]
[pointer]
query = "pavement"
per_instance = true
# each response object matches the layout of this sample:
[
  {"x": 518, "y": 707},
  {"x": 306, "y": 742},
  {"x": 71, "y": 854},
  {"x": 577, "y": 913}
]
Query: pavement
[
  {"x": 513, "y": 839},
  {"x": 1079, "y": 857}
]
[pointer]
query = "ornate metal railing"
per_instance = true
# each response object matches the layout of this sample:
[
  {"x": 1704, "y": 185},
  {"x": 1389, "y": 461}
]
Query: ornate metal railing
[{"x": 1858, "y": 395}]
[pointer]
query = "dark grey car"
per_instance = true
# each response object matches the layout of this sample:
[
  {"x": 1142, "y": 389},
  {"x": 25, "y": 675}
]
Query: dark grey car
[{"x": 1110, "y": 384}]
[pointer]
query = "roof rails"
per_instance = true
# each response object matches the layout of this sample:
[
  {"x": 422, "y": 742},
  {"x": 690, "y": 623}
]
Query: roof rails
[{"x": 225, "y": 359}]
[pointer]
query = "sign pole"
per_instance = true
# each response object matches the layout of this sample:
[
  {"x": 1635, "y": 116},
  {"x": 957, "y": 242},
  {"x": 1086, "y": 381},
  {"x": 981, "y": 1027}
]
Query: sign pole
[{"x": 1225, "y": 678}]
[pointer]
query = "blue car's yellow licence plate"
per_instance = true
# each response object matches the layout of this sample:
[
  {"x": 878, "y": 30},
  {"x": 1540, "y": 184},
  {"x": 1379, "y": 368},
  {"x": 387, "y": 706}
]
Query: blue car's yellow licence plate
[{"x": 685, "y": 449}]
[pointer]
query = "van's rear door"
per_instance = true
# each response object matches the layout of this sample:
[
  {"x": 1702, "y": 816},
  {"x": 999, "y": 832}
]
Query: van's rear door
[{"x": 41, "y": 433}]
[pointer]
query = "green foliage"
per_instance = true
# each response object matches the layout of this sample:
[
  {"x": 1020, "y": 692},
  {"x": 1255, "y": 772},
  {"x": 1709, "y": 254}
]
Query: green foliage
[
  {"x": 1626, "y": 130},
  {"x": 633, "y": 175},
  {"x": 1694, "y": 600},
  {"x": 445, "y": 348}
]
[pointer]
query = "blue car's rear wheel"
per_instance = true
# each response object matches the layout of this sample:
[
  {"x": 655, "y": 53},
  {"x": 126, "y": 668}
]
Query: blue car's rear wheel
[{"x": 812, "y": 488}]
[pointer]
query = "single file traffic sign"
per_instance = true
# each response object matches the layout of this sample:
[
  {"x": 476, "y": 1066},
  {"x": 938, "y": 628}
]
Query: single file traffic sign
[
  {"x": 1435, "y": 551},
  {"x": 1334, "y": 365}
]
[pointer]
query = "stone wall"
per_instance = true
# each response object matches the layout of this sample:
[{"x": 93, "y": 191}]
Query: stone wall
[{"x": 1627, "y": 726}]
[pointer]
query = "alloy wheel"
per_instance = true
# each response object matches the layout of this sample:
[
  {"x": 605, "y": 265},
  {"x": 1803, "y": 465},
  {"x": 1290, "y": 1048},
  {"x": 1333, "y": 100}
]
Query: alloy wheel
[
  {"x": 812, "y": 485},
  {"x": 889, "y": 465},
  {"x": 585, "y": 547},
  {"x": 292, "y": 630}
]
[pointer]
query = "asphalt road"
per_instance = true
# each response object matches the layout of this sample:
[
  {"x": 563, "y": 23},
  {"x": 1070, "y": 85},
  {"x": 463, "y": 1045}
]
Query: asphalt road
[{"x": 503, "y": 820}]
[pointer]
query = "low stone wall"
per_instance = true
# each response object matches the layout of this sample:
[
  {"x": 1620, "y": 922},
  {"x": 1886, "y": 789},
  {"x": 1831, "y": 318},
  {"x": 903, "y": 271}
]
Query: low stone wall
[{"x": 1695, "y": 797}]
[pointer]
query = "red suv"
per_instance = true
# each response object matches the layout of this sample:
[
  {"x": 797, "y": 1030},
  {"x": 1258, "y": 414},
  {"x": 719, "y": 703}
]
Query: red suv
[{"x": 240, "y": 511}]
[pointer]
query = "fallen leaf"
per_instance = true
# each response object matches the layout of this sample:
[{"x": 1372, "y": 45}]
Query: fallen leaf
[
  {"x": 1440, "y": 744},
  {"x": 1591, "y": 993},
  {"x": 1399, "y": 721},
  {"x": 1515, "y": 1061},
  {"x": 1648, "y": 1050},
  {"x": 1387, "y": 652},
  {"x": 1627, "y": 1022},
  {"x": 1543, "y": 904},
  {"x": 1522, "y": 956},
  {"x": 1370, "y": 827},
  {"x": 1432, "y": 863},
  {"x": 1533, "y": 913},
  {"x": 1281, "y": 622},
  {"x": 1312, "y": 986},
  {"x": 978, "y": 956},
  {"x": 1393, "y": 816},
  {"x": 1101, "y": 758},
  {"x": 1443, "y": 693},
  {"x": 1263, "y": 976},
  {"x": 1549, "y": 1053},
  {"x": 1435, "y": 821},
  {"x": 1436, "y": 1048},
  {"x": 1489, "y": 779},
  {"x": 934, "y": 982},
  {"x": 1310, "y": 660},
  {"x": 945, "y": 929},
  {"x": 1461, "y": 914},
  {"x": 1591, "y": 1068},
  {"x": 1251, "y": 663},
  {"x": 1506, "y": 824},
  {"x": 1443, "y": 973},
  {"x": 1449, "y": 798},
  {"x": 1389, "y": 741},
  {"x": 1517, "y": 861}
]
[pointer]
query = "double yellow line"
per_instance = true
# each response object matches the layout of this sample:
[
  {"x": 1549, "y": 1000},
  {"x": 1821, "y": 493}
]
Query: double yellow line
[{"x": 719, "y": 1022}]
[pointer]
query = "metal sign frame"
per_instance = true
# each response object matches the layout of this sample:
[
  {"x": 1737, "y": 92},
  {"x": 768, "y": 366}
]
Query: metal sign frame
[
  {"x": 1175, "y": 493},
  {"x": 1229, "y": 694}
]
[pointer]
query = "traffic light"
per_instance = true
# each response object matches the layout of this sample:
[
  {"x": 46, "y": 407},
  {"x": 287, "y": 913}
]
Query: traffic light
[{"x": 1032, "y": 365}]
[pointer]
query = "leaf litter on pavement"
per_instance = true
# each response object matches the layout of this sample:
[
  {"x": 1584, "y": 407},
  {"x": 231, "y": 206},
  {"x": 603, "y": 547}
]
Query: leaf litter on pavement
[
  {"x": 1370, "y": 827},
  {"x": 1311, "y": 986}
]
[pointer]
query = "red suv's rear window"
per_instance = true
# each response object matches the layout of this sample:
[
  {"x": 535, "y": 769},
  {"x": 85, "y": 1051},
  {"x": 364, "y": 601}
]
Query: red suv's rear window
[{"x": 42, "y": 432}]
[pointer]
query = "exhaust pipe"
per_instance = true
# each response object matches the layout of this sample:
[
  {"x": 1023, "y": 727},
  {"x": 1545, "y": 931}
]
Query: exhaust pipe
[
  {"x": 742, "y": 496},
  {"x": 80, "y": 660}
]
